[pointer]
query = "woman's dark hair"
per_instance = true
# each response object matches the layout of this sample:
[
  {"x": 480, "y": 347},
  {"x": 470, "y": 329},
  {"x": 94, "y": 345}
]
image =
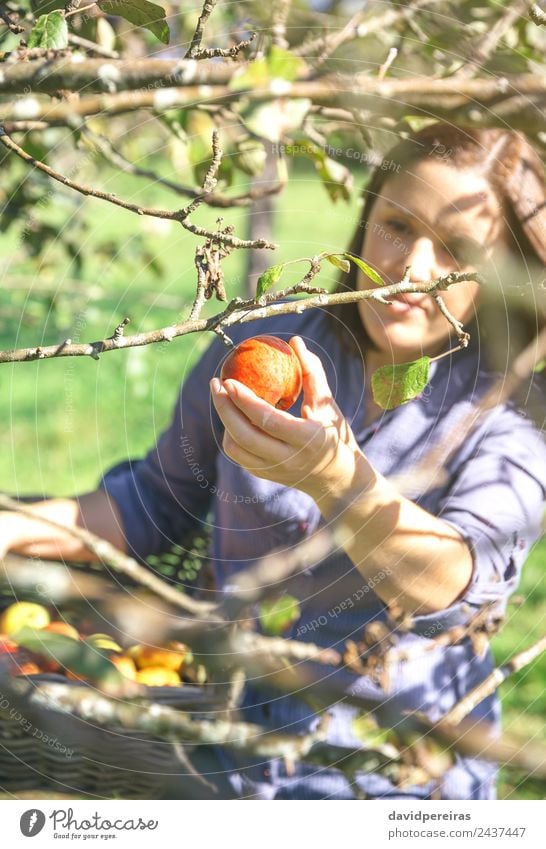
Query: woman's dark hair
[{"x": 515, "y": 173}]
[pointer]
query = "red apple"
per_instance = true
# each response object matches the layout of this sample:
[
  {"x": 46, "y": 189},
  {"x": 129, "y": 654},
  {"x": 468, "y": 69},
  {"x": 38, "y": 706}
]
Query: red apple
[{"x": 268, "y": 366}]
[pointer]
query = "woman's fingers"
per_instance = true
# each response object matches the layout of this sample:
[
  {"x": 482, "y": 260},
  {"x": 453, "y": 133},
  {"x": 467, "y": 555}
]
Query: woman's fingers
[
  {"x": 252, "y": 462},
  {"x": 277, "y": 424},
  {"x": 240, "y": 426},
  {"x": 318, "y": 403}
]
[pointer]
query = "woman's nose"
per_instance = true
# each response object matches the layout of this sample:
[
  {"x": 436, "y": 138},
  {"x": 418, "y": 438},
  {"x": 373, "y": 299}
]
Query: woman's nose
[{"x": 420, "y": 255}]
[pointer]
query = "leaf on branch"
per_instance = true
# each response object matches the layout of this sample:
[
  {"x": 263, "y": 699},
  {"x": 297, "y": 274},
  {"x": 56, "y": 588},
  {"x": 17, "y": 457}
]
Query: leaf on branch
[
  {"x": 337, "y": 179},
  {"x": 50, "y": 32},
  {"x": 278, "y": 64},
  {"x": 366, "y": 729},
  {"x": 268, "y": 279},
  {"x": 367, "y": 269},
  {"x": 277, "y": 616},
  {"x": 394, "y": 385},
  {"x": 250, "y": 157},
  {"x": 344, "y": 264},
  {"x": 417, "y": 122},
  {"x": 75, "y": 655},
  {"x": 273, "y": 120},
  {"x": 141, "y": 13}
]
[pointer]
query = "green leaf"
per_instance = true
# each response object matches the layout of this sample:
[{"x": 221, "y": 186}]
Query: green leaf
[
  {"x": 278, "y": 64},
  {"x": 281, "y": 63},
  {"x": 396, "y": 384},
  {"x": 336, "y": 178},
  {"x": 49, "y": 32},
  {"x": 541, "y": 366},
  {"x": 367, "y": 269},
  {"x": 268, "y": 279},
  {"x": 366, "y": 729},
  {"x": 417, "y": 122},
  {"x": 255, "y": 75},
  {"x": 344, "y": 264},
  {"x": 273, "y": 120},
  {"x": 250, "y": 157},
  {"x": 141, "y": 13},
  {"x": 276, "y": 616},
  {"x": 76, "y": 655}
]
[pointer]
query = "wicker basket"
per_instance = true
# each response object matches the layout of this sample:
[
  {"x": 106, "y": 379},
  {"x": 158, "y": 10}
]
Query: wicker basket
[{"x": 83, "y": 759}]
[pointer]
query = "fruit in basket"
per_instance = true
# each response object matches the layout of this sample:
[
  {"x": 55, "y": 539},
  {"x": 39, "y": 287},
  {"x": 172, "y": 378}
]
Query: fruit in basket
[
  {"x": 28, "y": 668},
  {"x": 60, "y": 627},
  {"x": 21, "y": 614},
  {"x": 103, "y": 642},
  {"x": 170, "y": 657},
  {"x": 125, "y": 665},
  {"x": 268, "y": 366},
  {"x": 7, "y": 646},
  {"x": 158, "y": 676}
]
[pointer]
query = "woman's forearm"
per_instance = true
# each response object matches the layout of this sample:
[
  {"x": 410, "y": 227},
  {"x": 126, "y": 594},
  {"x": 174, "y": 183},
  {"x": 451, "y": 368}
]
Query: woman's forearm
[
  {"x": 94, "y": 511},
  {"x": 425, "y": 562}
]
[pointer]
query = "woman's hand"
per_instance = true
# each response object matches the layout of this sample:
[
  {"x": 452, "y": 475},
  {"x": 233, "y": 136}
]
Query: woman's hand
[{"x": 316, "y": 453}]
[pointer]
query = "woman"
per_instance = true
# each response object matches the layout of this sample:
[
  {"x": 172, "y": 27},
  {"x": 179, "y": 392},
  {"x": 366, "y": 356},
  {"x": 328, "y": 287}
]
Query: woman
[{"x": 270, "y": 478}]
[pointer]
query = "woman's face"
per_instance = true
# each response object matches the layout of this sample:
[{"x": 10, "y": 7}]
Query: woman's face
[{"x": 437, "y": 219}]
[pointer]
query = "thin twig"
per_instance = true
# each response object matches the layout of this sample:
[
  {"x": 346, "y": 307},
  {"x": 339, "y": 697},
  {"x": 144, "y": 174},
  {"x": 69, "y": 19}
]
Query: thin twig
[
  {"x": 391, "y": 56},
  {"x": 254, "y": 645},
  {"x": 180, "y": 215},
  {"x": 195, "y": 45},
  {"x": 487, "y": 45},
  {"x": 280, "y": 11},
  {"x": 110, "y": 154},
  {"x": 457, "y": 325},
  {"x": 493, "y": 680},
  {"x": 537, "y": 15},
  {"x": 195, "y": 51},
  {"x": 92, "y": 46},
  {"x": 13, "y": 27},
  {"x": 74, "y": 8},
  {"x": 359, "y": 27}
]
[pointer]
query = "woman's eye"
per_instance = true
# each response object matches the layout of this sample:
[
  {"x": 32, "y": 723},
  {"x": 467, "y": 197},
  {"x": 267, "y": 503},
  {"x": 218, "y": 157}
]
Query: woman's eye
[{"x": 399, "y": 226}]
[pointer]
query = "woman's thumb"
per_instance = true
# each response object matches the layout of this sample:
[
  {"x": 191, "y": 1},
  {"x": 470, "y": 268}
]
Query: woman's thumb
[{"x": 317, "y": 395}]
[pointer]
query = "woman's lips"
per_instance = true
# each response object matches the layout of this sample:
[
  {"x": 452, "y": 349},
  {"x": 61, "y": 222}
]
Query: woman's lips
[{"x": 402, "y": 304}]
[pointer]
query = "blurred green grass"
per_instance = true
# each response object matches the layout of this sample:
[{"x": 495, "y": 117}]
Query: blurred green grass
[
  {"x": 66, "y": 421},
  {"x": 69, "y": 419}
]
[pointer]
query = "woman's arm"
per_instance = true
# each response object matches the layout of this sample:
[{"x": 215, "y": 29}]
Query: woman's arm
[
  {"x": 426, "y": 563},
  {"x": 94, "y": 511}
]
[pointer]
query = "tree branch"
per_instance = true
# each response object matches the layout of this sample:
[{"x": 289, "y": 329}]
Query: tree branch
[
  {"x": 180, "y": 215},
  {"x": 13, "y": 27},
  {"x": 238, "y": 311},
  {"x": 161, "y": 720},
  {"x": 487, "y": 102},
  {"x": 195, "y": 46},
  {"x": 111, "y": 155},
  {"x": 280, "y": 12},
  {"x": 493, "y": 680},
  {"x": 537, "y": 15},
  {"x": 486, "y": 46},
  {"x": 359, "y": 27}
]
